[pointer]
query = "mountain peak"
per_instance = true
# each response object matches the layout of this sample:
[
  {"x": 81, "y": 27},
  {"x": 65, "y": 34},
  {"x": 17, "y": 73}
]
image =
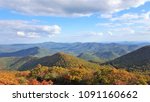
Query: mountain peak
[
  {"x": 60, "y": 54},
  {"x": 61, "y": 60}
]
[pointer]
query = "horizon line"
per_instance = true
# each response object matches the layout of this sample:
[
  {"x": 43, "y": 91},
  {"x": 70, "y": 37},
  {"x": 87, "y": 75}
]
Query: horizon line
[{"x": 77, "y": 42}]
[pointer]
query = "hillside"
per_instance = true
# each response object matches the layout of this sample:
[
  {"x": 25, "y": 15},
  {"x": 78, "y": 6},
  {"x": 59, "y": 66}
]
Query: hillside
[
  {"x": 6, "y": 62},
  {"x": 60, "y": 60},
  {"x": 21, "y": 61},
  {"x": 90, "y": 57},
  {"x": 138, "y": 59},
  {"x": 13, "y": 63},
  {"x": 35, "y": 51},
  {"x": 108, "y": 55}
]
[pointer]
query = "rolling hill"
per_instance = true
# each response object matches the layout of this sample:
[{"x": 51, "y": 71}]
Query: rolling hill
[
  {"x": 60, "y": 60},
  {"x": 35, "y": 51},
  {"x": 90, "y": 57},
  {"x": 138, "y": 59},
  {"x": 14, "y": 63},
  {"x": 5, "y": 62},
  {"x": 108, "y": 55}
]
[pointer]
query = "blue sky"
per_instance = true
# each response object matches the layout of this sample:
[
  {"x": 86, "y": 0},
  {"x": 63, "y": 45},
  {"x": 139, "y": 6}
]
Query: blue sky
[{"x": 34, "y": 21}]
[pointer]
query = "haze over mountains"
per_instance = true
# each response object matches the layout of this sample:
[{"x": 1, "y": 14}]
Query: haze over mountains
[
  {"x": 35, "y": 51},
  {"x": 27, "y": 56},
  {"x": 103, "y": 50}
]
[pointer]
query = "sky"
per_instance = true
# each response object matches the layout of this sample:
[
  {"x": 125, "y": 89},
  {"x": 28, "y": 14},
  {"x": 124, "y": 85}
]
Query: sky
[{"x": 36, "y": 21}]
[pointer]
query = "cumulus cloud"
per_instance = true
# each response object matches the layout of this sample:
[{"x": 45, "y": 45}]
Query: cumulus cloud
[
  {"x": 70, "y": 7},
  {"x": 128, "y": 23},
  {"x": 28, "y": 35},
  {"x": 22, "y": 34},
  {"x": 27, "y": 29}
]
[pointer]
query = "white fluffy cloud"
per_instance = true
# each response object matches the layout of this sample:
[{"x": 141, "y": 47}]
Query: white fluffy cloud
[
  {"x": 22, "y": 34},
  {"x": 28, "y": 35},
  {"x": 128, "y": 24},
  {"x": 27, "y": 29},
  {"x": 132, "y": 16},
  {"x": 69, "y": 7}
]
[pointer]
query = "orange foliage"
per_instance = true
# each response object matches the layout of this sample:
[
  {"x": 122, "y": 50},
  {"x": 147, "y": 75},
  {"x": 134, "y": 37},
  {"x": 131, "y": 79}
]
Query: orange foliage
[
  {"x": 8, "y": 78},
  {"x": 24, "y": 73},
  {"x": 36, "y": 82},
  {"x": 43, "y": 75}
]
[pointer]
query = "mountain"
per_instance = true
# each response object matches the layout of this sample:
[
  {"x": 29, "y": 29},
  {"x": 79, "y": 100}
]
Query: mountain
[
  {"x": 5, "y": 62},
  {"x": 93, "y": 52},
  {"x": 138, "y": 59},
  {"x": 105, "y": 52},
  {"x": 35, "y": 51},
  {"x": 90, "y": 57},
  {"x": 108, "y": 55},
  {"x": 14, "y": 63},
  {"x": 118, "y": 49},
  {"x": 60, "y": 60},
  {"x": 20, "y": 62}
]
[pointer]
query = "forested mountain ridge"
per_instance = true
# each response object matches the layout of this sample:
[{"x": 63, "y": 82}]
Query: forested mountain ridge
[
  {"x": 59, "y": 59},
  {"x": 138, "y": 59}
]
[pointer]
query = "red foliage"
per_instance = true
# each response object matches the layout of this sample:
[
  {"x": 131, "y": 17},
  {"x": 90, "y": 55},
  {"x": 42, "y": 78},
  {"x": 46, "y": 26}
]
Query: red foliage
[
  {"x": 44, "y": 82},
  {"x": 33, "y": 82}
]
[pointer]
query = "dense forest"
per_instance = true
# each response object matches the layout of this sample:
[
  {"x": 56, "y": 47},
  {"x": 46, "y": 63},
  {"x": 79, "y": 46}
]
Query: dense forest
[{"x": 43, "y": 75}]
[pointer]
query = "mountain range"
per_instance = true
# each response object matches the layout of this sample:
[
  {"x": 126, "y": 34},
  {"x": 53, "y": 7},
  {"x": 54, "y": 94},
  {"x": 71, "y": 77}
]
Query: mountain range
[
  {"x": 35, "y": 51},
  {"x": 68, "y": 55},
  {"x": 103, "y": 51}
]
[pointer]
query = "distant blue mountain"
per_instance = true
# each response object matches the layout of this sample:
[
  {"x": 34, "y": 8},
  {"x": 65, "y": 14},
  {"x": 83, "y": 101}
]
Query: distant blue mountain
[
  {"x": 14, "y": 56},
  {"x": 106, "y": 51},
  {"x": 35, "y": 51}
]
